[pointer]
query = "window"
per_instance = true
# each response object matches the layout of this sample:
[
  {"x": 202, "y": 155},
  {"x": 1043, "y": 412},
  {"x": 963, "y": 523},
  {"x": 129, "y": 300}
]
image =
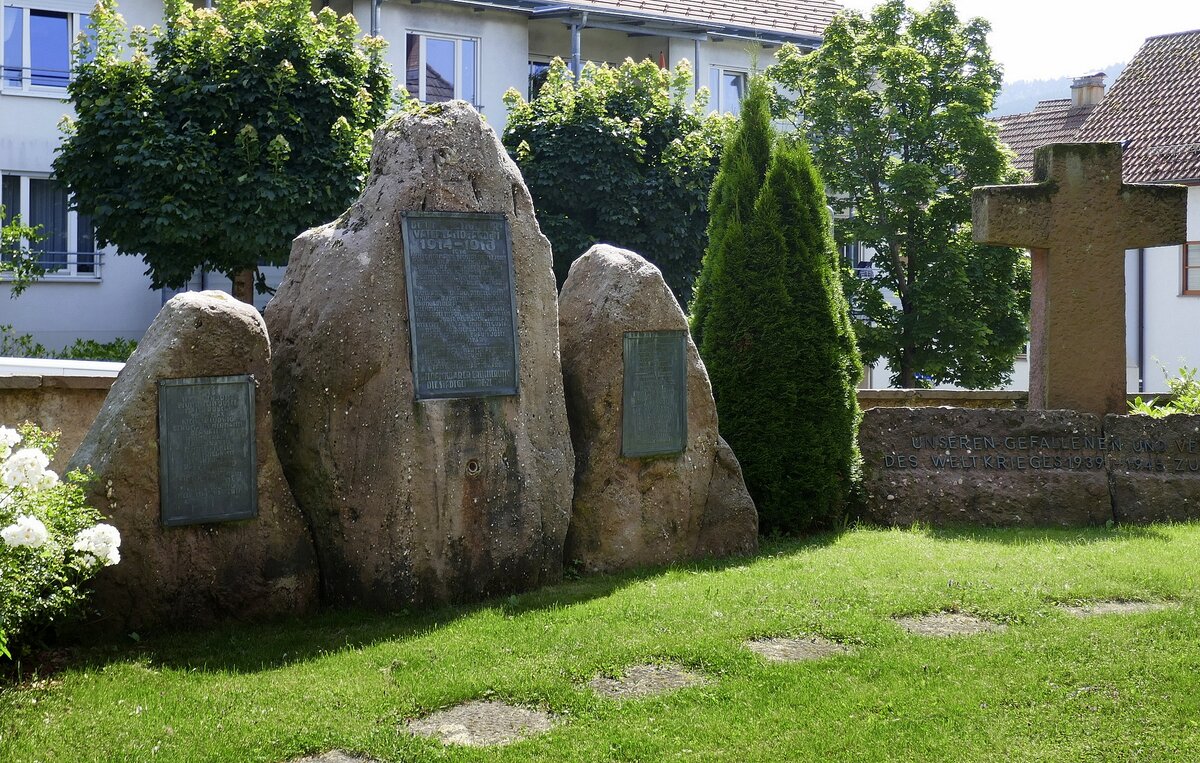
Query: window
[
  {"x": 538, "y": 72},
  {"x": 727, "y": 88},
  {"x": 1191, "y": 267},
  {"x": 35, "y": 47},
  {"x": 67, "y": 245},
  {"x": 441, "y": 68}
]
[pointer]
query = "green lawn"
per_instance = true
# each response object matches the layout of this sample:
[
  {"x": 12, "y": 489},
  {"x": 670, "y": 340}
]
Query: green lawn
[{"x": 1051, "y": 687}]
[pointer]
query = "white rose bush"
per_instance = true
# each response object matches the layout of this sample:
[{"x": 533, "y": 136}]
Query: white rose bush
[{"x": 51, "y": 541}]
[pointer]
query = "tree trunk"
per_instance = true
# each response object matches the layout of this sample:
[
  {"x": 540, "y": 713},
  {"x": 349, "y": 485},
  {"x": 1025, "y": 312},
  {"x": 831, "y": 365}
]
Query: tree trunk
[{"x": 243, "y": 285}]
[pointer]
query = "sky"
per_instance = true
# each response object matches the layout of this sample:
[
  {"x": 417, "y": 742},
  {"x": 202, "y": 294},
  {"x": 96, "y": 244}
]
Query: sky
[{"x": 1047, "y": 39}]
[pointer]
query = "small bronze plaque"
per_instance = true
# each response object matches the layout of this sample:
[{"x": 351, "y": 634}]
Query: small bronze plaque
[
  {"x": 207, "y": 461},
  {"x": 461, "y": 304},
  {"x": 654, "y": 415}
]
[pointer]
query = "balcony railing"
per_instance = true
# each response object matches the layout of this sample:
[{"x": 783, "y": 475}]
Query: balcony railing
[{"x": 81, "y": 265}]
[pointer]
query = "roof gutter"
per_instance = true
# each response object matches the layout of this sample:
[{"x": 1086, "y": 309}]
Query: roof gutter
[{"x": 540, "y": 9}]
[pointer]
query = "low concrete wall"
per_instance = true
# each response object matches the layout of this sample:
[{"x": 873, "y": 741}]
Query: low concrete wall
[
  {"x": 932, "y": 398},
  {"x": 68, "y": 404}
]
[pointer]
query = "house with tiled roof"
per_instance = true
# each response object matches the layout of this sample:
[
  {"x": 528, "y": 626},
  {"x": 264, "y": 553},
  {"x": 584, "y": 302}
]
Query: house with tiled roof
[
  {"x": 1153, "y": 110},
  {"x": 1053, "y": 121},
  {"x": 438, "y": 49}
]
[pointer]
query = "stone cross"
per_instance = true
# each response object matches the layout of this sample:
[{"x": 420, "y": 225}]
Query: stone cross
[{"x": 1078, "y": 218}]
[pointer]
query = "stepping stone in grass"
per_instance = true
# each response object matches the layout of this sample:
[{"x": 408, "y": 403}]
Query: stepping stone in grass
[
  {"x": 333, "y": 756},
  {"x": 646, "y": 680},
  {"x": 796, "y": 649},
  {"x": 948, "y": 624},
  {"x": 480, "y": 723},
  {"x": 1097, "y": 608}
]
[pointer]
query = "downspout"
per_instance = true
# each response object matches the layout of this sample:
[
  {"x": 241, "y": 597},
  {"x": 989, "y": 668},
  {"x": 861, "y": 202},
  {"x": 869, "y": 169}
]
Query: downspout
[
  {"x": 696, "y": 64},
  {"x": 1141, "y": 320},
  {"x": 576, "y": 55},
  {"x": 375, "y": 17}
]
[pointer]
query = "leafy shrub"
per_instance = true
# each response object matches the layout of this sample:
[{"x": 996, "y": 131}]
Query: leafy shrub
[
  {"x": 51, "y": 541},
  {"x": 619, "y": 158},
  {"x": 1185, "y": 397},
  {"x": 118, "y": 350},
  {"x": 13, "y": 345}
]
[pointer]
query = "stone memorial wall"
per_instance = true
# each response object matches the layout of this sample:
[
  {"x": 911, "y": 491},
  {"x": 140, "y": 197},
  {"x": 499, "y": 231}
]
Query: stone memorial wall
[{"x": 1008, "y": 467}]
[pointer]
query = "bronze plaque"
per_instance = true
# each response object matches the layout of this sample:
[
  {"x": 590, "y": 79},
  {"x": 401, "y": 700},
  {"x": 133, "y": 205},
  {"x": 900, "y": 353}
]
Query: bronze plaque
[
  {"x": 654, "y": 414},
  {"x": 461, "y": 304},
  {"x": 207, "y": 463}
]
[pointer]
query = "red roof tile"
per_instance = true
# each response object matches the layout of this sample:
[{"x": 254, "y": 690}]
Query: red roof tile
[
  {"x": 806, "y": 17},
  {"x": 1154, "y": 107},
  {"x": 1050, "y": 122}
]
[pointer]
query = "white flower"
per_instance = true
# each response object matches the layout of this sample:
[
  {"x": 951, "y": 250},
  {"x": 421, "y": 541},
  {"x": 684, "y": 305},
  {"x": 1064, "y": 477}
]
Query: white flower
[
  {"x": 25, "y": 468},
  {"x": 100, "y": 543},
  {"x": 26, "y": 531},
  {"x": 8, "y": 438},
  {"x": 48, "y": 480}
]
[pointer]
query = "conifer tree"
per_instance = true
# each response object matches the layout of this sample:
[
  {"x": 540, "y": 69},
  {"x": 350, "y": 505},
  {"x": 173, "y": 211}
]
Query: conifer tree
[
  {"x": 776, "y": 334},
  {"x": 731, "y": 200}
]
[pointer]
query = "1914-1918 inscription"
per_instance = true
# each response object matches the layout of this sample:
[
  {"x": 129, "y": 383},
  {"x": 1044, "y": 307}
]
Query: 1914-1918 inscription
[
  {"x": 461, "y": 304},
  {"x": 654, "y": 415},
  {"x": 206, "y": 450}
]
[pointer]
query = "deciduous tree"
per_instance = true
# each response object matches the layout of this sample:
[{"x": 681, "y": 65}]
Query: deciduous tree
[
  {"x": 894, "y": 106},
  {"x": 622, "y": 158},
  {"x": 212, "y": 142}
]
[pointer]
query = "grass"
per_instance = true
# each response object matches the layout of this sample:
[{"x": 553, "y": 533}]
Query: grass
[{"x": 1051, "y": 687}]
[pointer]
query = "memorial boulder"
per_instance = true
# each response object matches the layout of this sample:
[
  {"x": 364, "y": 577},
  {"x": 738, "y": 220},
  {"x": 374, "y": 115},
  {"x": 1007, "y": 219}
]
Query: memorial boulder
[
  {"x": 654, "y": 481},
  {"x": 418, "y": 389},
  {"x": 186, "y": 469}
]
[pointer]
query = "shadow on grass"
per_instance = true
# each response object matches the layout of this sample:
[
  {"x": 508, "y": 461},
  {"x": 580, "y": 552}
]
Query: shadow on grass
[
  {"x": 250, "y": 648},
  {"x": 1026, "y": 536}
]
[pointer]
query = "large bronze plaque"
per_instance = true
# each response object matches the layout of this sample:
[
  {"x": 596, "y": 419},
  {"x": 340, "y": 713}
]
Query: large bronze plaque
[
  {"x": 207, "y": 468},
  {"x": 654, "y": 415},
  {"x": 461, "y": 304}
]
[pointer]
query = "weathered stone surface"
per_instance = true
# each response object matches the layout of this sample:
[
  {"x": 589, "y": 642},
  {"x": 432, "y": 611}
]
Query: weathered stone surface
[
  {"x": 630, "y": 512},
  {"x": 194, "y": 573},
  {"x": 1157, "y": 476},
  {"x": 1078, "y": 219},
  {"x": 432, "y": 501},
  {"x": 987, "y": 467}
]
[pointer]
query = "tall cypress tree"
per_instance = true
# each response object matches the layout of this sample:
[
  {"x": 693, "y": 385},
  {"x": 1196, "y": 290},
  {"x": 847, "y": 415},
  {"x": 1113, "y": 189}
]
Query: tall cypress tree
[
  {"x": 731, "y": 201},
  {"x": 776, "y": 336}
]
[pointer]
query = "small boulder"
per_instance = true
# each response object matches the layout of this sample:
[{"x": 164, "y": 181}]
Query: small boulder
[
  {"x": 629, "y": 512},
  {"x": 193, "y": 573},
  {"x": 412, "y": 501}
]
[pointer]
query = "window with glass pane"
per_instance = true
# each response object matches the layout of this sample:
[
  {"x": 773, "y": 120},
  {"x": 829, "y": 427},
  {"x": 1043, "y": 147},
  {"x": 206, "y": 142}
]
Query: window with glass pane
[
  {"x": 441, "y": 68},
  {"x": 14, "y": 45},
  {"x": 49, "y": 48},
  {"x": 10, "y": 197},
  {"x": 48, "y": 209},
  {"x": 1191, "y": 268},
  {"x": 10, "y": 201},
  {"x": 727, "y": 88},
  {"x": 85, "y": 244}
]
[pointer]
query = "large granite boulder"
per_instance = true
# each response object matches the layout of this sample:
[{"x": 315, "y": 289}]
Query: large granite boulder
[
  {"x": 438, "y": 500},
  {"x": 629, "y": 512},
  {"x": 945, "y": 466},
  {"x": 1155, "y": 477},
  {"x": 193, "y": 573}
]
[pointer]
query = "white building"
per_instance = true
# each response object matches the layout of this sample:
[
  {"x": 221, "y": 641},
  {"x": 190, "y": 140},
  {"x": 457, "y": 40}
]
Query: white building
[
  {"x": 438, "y": 49},
  {"x": 1153, "y": 109}
]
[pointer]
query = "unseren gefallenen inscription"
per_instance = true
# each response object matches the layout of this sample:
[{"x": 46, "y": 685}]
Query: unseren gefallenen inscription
[
  {"x": 461, "y": 304},
  {"x": 654, "y": 415},
  {"x": 206, "y": 450}
]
